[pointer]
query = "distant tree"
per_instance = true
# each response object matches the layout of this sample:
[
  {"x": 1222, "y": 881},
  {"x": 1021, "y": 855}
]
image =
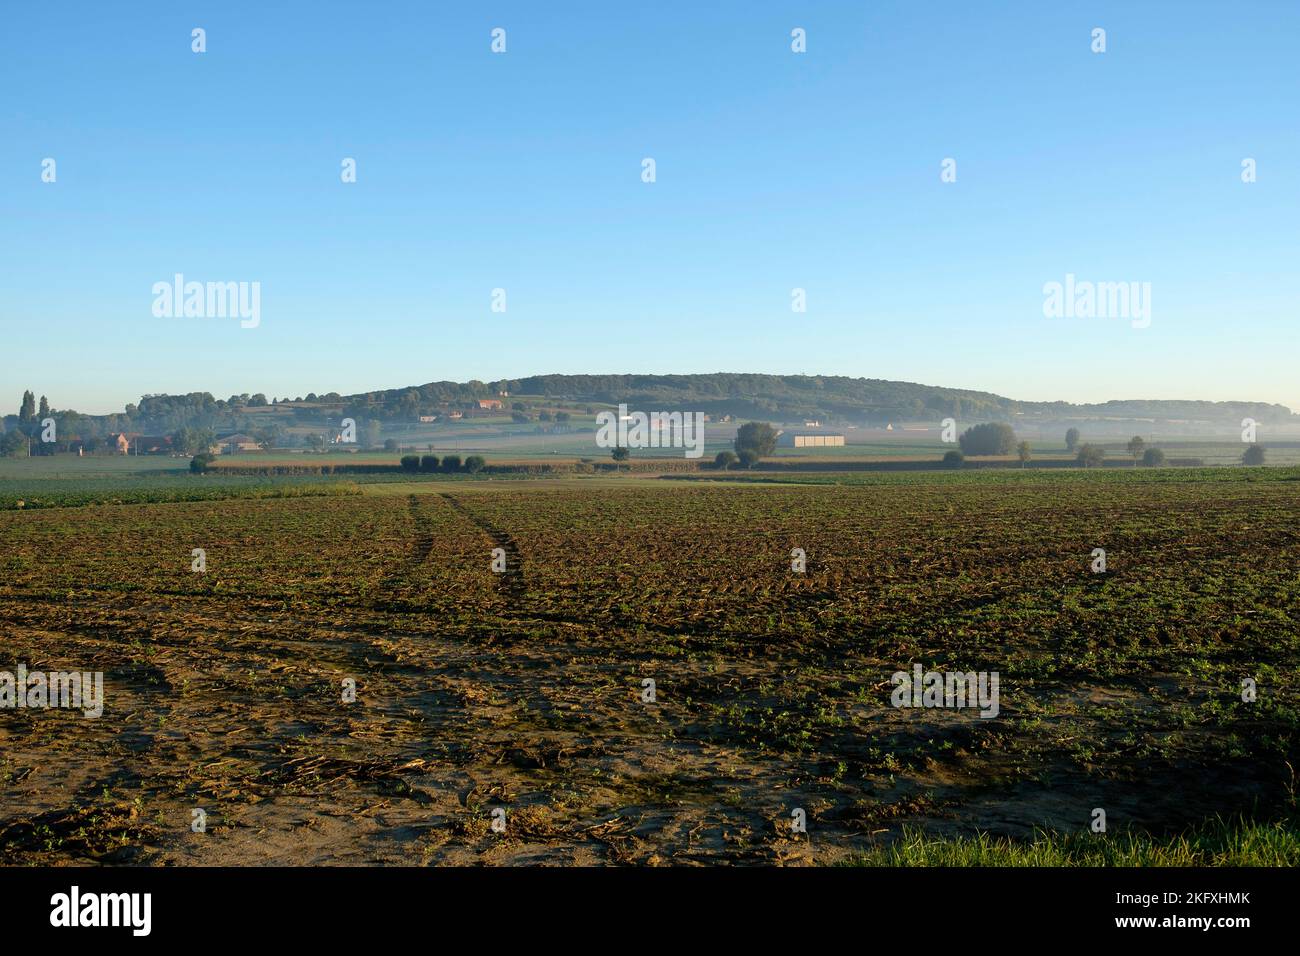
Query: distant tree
[
  {"x": 620, "y": 454},
  {"x": 474, "y": 464},
  {"x": 1254, "y": 455},
  {"x": 1153, "y": 458},
  {"x": 1071, "y": 439},
  {"x": 544, "y": 416},
  {"x": 1024, "y": 453},
  {"x": 1135, "y": 448},
  {"x": 429, "y": 463},
  {"x": 749, "y": 458},
  {"x": 374, "y": 433},
  {"x": 390, "y": 444},
  {"x": 953, "y": 459},
  {"x": 410, "y": 463},
  {"x": 45, "y": 409},
  {"x": 519, "y": 418},
  {"x": 758, "y": 437},
  {"x": 991, "y": 438},
  {"x": 315, "y": 442},
  {"x": 27, "y": 411},
  {"x": 13, "y": 444},
  {"x": 1091, "y": 456},
  {"x": 201, "y": 462},
  {"x": 451, "y": 463},
  {"x": 561, "y": 416},
  {"x": 725, "y": 460}
]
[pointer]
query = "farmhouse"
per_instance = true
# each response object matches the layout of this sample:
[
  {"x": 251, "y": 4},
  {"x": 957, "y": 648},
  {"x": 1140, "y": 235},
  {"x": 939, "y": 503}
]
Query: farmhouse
[
  {"x": 810, "y": 440},
  {"x": 428, "y": 419},
  {"x": 121, "y": 441},
  {"x": 491, "y": 404}
]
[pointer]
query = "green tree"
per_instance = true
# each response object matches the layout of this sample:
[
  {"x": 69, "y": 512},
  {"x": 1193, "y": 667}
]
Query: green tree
[
  {"x": 201, "y": 462},
  {"x": 45, "y": 409},
  {"x": 13, "y": 444},
  {"x": 451, "y": 463},
  {"x": 749, "y": 458},
  {"x": 27, "y": 411},
  {"x": 758, "y": 437},
  {"x": 953, "y": 459},
  {"x": 474, "y": 464},
  {"x": 1091, "y": 456},
  {"x": 620, "y": 454},
  {"x": 1071, "y": 440},
  {"x": 429, "y": 462},
  {"x": 410, "y": 463},
  {"x": 1135, "y": 448},
  {"x": 1254, "y": 455},
  {"x": 991, "y": 438},
  {"x": 1024, "y": 453},
  {"x": 1153, "y": 458},
  {"x": 725, "y": 460}
]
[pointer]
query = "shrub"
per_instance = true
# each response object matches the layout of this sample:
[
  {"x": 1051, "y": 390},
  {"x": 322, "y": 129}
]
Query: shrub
[
  {"x": 1153, "y": 458},
  {"x": 1254, "y": 455},
  {"x": 428, "y": 462},
  {"x": 451, "y": 463},
  {"x": 1091, "y": 456},
  {"x": 953, "y": 459},
  {"x": 410, "y": 463},
  {"x": 725, "y": 460},
  {"x": 474, "y": 464},
  {"x": 200, "y": 463},
  {"x": 749, "y": 457},
  {"x": 991, "y": 438}
]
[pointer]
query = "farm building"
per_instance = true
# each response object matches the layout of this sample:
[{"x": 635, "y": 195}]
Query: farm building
[
  {"x": 232, "y": 444},
  {"x": 491, "y": 404},
  {"x": 810, "y": 440}
]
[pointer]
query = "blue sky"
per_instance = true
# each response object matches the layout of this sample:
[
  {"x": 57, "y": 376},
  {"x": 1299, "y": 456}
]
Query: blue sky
[{"x": 775, "y": 170}]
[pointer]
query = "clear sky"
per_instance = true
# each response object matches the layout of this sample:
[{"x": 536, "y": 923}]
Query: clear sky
[{"x": 775, "y": 171}]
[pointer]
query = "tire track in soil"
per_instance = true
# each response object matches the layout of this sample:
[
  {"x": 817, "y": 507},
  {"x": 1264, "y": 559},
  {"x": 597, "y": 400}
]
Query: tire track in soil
[{"x": 511, "y": 583}]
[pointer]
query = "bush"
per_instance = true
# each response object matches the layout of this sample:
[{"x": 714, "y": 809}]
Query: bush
[
  {"x": 1153, "y": 458},
  {"x": 1254, "y": 455},
  {"x": 390, "y": 444},
  {"x": 620, "y": 454},
  {"x": 725, "y": 460},
  {"x": 1091, "y": 456},
  {"x": 410, "y": 463},
  {"x": 749, "y": 457},
  {"x": 474, "y": 464},
  {"x": 991, "y": 438},
  {"x": 451, "y": 463},
  {"x": 953, "y": 459},
  {"x": 200, "y": 463},
  {"x": 428, "y": 462}
]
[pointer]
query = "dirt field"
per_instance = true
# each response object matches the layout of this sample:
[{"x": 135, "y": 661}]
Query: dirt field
[{"x": 523, "y": 691}]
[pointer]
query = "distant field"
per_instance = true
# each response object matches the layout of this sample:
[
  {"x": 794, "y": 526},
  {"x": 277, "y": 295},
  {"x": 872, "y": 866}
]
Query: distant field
[{"x": 523, "y": 691}]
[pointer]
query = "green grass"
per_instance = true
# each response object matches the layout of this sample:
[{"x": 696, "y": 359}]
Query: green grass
[{"x": 1216, "y": 844}]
